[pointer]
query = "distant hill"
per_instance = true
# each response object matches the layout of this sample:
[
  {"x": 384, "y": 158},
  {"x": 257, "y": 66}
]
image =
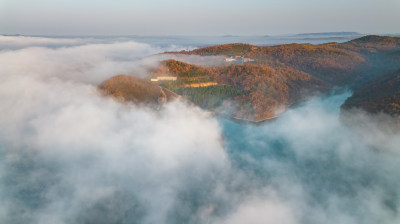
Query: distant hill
[
  {"x": 373, "y": 44},
  {"x": 329, "y": 63},
  {"x": 381, "y": 92},
  {"x": 330, "y": 34},
  {"x": 379, "y": 95},
  {"x": 131, "y": 89},
  {"x": 377, "y": 40}
]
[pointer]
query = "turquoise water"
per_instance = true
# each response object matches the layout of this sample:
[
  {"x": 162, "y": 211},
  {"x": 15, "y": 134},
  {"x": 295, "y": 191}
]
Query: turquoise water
[{"x": 319, "y": 164}]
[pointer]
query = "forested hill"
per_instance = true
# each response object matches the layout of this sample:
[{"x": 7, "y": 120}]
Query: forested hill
[
  {"x": 351, "y": 63},
  {"x": 128, "y": 88},
  {"x": 280, "y": 75},
  {"x": 373, "y": 42},
  {"x": 381, "y": 95},
  {"x": 258, "y": 82},
  {"x": 250, "y": 91}
]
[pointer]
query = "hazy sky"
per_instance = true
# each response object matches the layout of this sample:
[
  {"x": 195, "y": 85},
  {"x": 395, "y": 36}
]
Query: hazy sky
[{"x": 200, "y": 17}]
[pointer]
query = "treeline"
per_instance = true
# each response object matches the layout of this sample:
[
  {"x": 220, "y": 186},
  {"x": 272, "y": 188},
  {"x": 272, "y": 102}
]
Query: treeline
[
  {"x": 225, "y": 49},
  {"x": 181, "y": 69},
  {"x": 211, "y": 96}
]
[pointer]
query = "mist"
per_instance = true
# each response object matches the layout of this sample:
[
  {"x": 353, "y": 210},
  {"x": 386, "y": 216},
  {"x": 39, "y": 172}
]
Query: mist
[{"x": 70, "y": 155}]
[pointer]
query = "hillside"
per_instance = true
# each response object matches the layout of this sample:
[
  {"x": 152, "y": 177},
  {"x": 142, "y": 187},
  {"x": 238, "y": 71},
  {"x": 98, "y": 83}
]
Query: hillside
[
  {"x": 379, "y": 95},
  {"x": 374, "y": 42},
  {"x": 340, "y": 64},
  {"x": 131, "y": 89},
  {"x": 251, "y": 91}
]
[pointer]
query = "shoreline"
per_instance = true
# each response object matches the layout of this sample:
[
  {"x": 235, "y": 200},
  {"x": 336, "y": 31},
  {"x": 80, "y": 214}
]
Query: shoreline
[
  {"x": 251, "y": 122},
  {"x": 232, "y": 118}
]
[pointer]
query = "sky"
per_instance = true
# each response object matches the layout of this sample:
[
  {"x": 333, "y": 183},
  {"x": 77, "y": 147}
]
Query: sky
[{"x": 189, "y": 17}]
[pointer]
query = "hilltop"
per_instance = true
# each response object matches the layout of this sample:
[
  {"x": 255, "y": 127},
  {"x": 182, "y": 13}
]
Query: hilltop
[{"x": 128, "y": 88}]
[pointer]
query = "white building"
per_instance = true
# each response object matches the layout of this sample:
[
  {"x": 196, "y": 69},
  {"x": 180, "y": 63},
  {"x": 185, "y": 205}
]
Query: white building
[{"x": 164, "y": 78}]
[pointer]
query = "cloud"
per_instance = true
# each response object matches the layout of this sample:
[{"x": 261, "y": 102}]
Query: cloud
[
  {"x": 331, "y": 169},
  {"x": 69, "y": 155},
  {"x": 81, "y": 149},
  {"x": 27, "y": 41},
  {"x": 88, "y": 63},
  {"x": 262, "y": 210}
]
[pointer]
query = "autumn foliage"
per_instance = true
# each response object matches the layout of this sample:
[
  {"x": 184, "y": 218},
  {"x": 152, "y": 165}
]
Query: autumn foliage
[
  {"x": 255, "y": 91},
  {"x": 278, "y": 77},
  {"x": 131, "y": 89},
  {"x": 283, "y": 74}
]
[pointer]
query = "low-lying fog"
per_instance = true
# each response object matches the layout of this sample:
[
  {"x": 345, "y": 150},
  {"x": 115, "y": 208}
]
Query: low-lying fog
[{"x": 69, "y": 155}]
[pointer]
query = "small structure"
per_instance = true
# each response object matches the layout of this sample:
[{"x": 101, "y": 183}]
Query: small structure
[
  {"x": 230, "y": 59},
  {"x": 164, "y": 78},
  {"x": 248, "y": 60},
  {"x": 238, "y": 59}
]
